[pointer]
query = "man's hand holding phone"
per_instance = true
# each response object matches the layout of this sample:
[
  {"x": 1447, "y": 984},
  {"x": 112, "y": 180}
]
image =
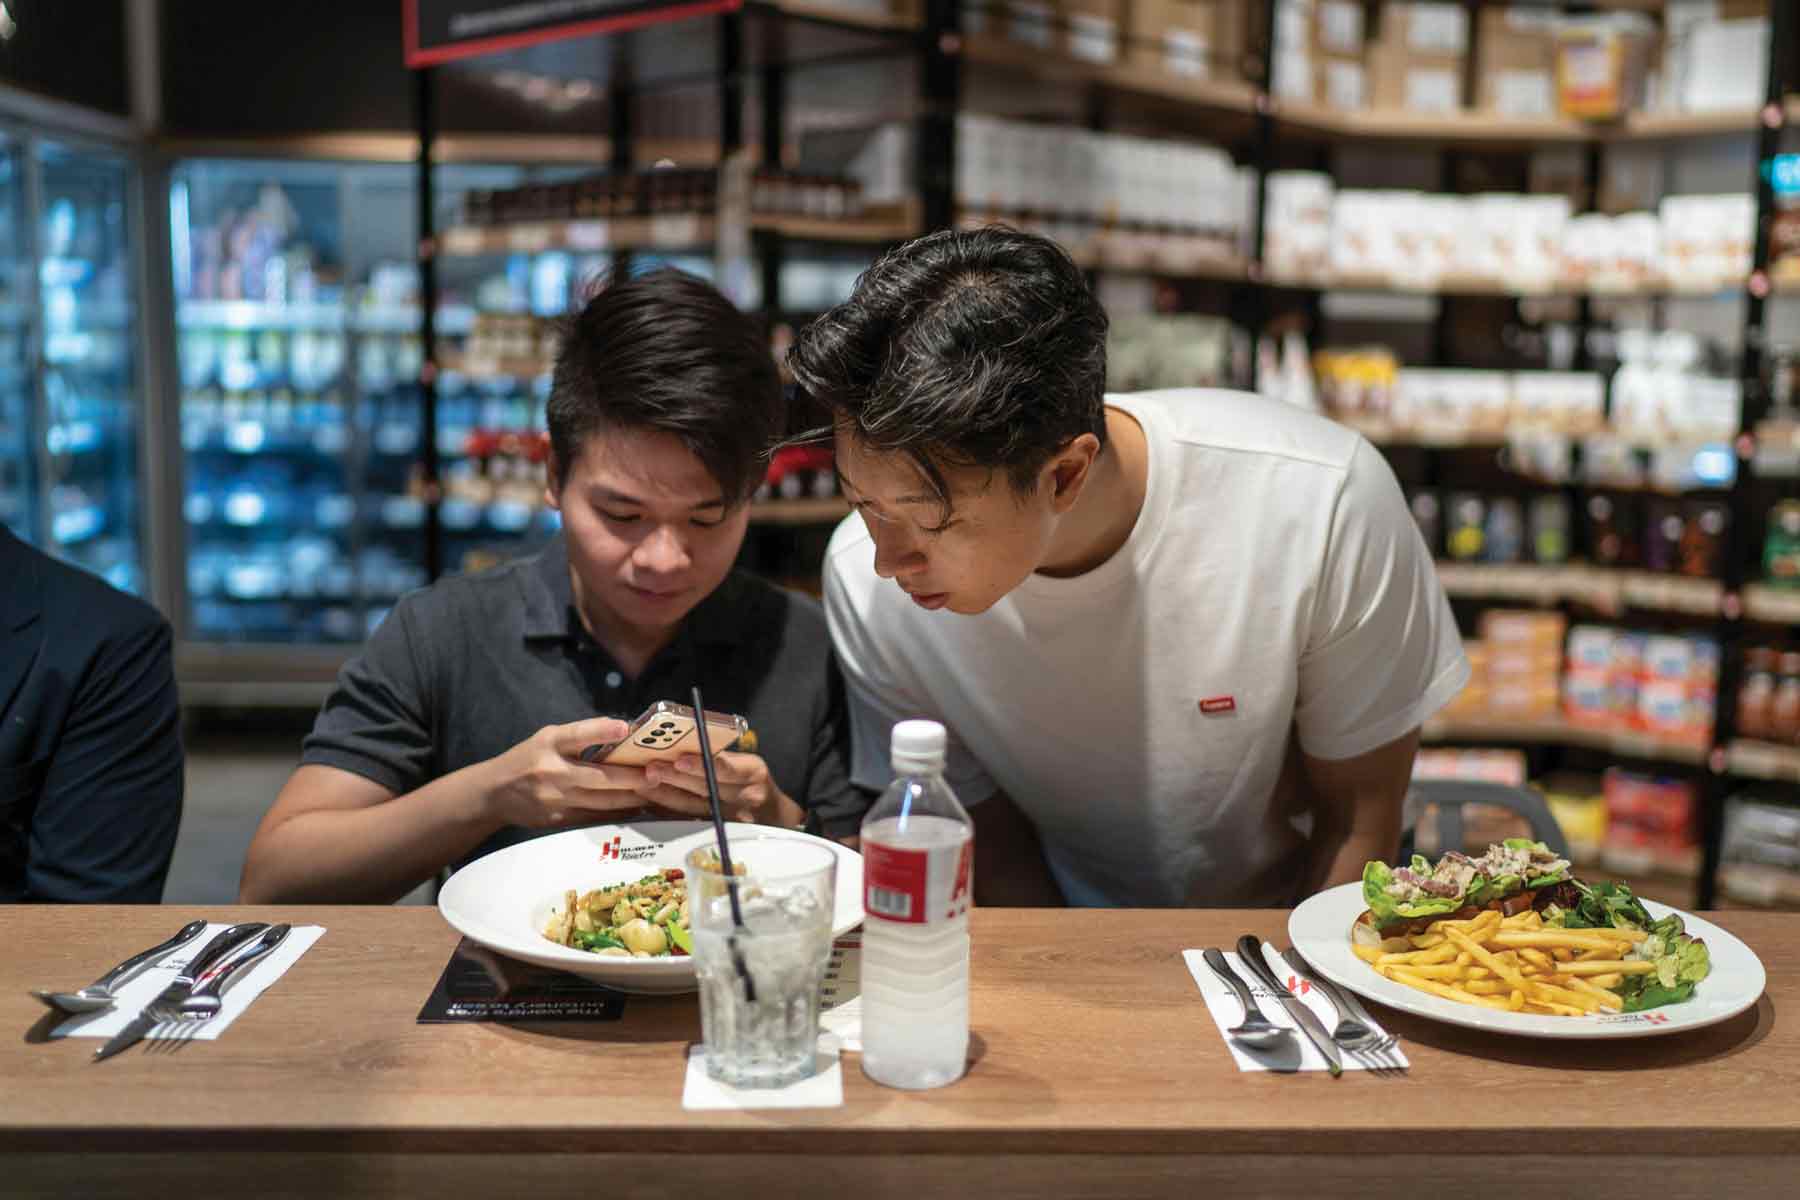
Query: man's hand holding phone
[
  {"x": 543, "y": 780},
  {"x": 747, "y": 792}
]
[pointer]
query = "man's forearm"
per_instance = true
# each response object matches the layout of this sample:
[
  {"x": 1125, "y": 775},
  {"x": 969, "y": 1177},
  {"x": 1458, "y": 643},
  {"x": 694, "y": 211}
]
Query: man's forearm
[
  {"x": 371, "y": 855},
  {"x": 1343, "y": 861}
]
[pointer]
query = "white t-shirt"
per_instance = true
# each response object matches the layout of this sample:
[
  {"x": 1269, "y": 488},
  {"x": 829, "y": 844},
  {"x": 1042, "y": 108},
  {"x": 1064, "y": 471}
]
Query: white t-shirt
[{"x": 1141, "y": 714}]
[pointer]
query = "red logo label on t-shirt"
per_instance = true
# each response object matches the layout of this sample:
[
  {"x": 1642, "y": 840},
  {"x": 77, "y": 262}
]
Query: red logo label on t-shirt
[{"x": 1214, "y": 705}]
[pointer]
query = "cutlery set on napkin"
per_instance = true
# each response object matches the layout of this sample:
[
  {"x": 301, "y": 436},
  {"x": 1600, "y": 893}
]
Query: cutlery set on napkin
[
  {"x": 162, "y": 994},
  {"x": 1317, "y": 1025}
]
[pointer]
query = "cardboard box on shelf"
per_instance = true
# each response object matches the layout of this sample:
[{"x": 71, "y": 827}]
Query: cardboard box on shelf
[
  {"x": 1196, "y": 39},
  {"x": 1402, "y": 78},
  {"x": 1602, "y": 64},
  {"x": 1436, "y": 28},
  {"x": 1094, "y": 30},
  {"x": 1515, "y": 61},
  {"x": 1338, "y": 28}
]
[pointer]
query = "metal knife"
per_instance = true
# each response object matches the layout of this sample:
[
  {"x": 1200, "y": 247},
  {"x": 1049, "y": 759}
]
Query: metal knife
[
  {"x": 1250, "y": 951},
  {"x": 211, "y": 953}
]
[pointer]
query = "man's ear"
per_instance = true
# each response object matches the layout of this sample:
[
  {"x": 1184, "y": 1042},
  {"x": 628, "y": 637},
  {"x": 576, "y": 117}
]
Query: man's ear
[
  {"x": 553, "y": 481},
  {"x": 1069, "y": 471}
]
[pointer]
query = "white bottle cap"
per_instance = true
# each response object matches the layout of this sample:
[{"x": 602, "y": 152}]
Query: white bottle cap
[{"x": 918, "y": 746}]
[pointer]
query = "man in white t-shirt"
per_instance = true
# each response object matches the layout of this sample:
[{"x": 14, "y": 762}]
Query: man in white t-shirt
[{"x": 1183, "y": 640}]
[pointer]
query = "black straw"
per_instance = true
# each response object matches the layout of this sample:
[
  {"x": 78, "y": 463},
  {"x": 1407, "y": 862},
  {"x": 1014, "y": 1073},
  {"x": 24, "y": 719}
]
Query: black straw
[{"x": 718, "y": 820}]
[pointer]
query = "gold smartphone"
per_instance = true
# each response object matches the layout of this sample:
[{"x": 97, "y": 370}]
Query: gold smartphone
[{"x": 665, "y": 731}]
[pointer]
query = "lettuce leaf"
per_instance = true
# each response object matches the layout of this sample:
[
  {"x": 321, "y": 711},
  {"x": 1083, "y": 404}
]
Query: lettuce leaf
[{"x": 1387, "y": 909}]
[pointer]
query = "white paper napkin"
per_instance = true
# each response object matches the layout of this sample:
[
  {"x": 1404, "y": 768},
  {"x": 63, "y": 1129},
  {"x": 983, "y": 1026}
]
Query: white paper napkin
[
  {"x": 239, "y": 993},
  {"x": 1299, "y": 1054},
  {"x": 824, "y": 1088}
]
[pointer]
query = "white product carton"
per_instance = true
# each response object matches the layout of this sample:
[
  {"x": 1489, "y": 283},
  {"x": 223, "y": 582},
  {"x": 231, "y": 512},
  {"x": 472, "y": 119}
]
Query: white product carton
[
  {"x": 1723, "y": 65},
  {"x": 1587, "y": 250},
  {"x": 1298, "y": 224}
]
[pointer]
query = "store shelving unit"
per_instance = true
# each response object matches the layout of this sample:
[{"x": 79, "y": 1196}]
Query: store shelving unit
[
  {"x": 1558, "y": 732},
  {"x": 764, "y": 42},
  {"x": 1243, "y": 115}
]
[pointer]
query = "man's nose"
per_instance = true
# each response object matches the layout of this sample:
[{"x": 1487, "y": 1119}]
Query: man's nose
[
  {"x": 893, "y": 552},
  {"x": 662, "y": 551}
]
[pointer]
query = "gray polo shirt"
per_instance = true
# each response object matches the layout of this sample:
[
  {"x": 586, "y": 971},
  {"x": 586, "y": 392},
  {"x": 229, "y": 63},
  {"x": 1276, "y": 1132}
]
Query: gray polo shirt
[{"x": 464, "y": 670}]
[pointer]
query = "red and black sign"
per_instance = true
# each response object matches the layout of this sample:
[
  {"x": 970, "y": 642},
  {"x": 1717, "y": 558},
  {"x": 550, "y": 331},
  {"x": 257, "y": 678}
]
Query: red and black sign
[{"x": 439, "y": 31}]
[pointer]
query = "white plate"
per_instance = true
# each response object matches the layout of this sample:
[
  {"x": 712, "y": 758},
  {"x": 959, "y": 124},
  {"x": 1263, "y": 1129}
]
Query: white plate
[
  {"x": 1320, "y": 929},
  {"x": 503, "y": 899}
]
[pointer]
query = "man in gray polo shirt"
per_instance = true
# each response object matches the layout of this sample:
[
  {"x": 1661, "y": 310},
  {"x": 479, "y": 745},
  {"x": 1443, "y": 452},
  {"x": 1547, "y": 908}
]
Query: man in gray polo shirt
[{"x": 459, "y": 728}]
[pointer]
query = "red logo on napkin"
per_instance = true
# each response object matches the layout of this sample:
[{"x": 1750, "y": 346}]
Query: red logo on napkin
[
  {"x": 1218, "y": 704},
  {"x": 610, "y": 849},
  {"x": 1299, "y": 986}
]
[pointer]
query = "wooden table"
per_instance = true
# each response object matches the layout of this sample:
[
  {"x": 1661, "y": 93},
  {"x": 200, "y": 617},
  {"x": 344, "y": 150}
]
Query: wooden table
[{"x": 1097, "y": 1072}]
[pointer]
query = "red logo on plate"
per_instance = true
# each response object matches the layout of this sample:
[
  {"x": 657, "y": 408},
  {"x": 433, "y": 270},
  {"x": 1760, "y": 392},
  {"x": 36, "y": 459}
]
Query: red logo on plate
[
  {"x": 1215, "y": 705},
  {"x": 610, "y": 849}
]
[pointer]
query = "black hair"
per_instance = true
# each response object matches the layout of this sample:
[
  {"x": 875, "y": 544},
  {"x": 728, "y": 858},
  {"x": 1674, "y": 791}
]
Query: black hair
[
  {"x": 963, "y": 348},
  {"x": 666, "y": 352}
]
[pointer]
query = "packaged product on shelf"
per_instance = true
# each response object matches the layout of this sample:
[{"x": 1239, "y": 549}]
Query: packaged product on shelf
[
  {"x": 1706, "y": 240},
  {"x": 1032, "y": 23},
  {"x": 1781, "y": 546},
  {"x": 1527, "y": 630},
  {"x": 1611, "y": 532},
  {"x": 1475, "y": 766},
  {"x": 1515, "y": 61},
  {"x": 1466, "y": 529},
  {"x": 1503, "y": 539},
  {"x": 1663, "y": 532},
  {"x": 1297, "y": 229},
  {"x": 1420, "y": 57},
  {"x": 1702, "y": 551},
  {"x": 1559, "y": 401},
  {"x": 1756, "y": 693},
  {"x": 1759, "y": 853},
  {"x": 1721, "y": 65},
  {"x": 1341, "y": 74},
  {"x": 1196, "y": 39},
  {"x": 1784, "y": 706},
  {"x": 1428, "y": 516},
  {"x": 1094, "y": 29},
  {"x": 1602, "y": 64},
  {"x": 1650, "y": 823},
  {"x": 1548, "y": 530},
  {"x": 1578, "y": 802}
]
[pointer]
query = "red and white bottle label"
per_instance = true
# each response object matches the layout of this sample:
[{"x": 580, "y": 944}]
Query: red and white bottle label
[{"x": 917, "y": 887}]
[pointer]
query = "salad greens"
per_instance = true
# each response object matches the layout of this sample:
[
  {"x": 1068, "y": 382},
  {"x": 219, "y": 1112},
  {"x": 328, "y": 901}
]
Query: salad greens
[{"x": 1681, "y": 961}]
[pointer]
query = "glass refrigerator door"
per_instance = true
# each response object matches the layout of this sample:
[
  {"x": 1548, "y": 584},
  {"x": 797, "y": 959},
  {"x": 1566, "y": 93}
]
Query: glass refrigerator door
[
  {"x": 91, "y": 411},
  {"x": 18, "y": 463},
  {"x": 264, "y": 359}
]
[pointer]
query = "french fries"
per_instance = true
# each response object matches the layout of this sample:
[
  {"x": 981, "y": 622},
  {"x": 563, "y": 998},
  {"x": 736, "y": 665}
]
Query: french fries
[{"x": 1513, "y": 964}]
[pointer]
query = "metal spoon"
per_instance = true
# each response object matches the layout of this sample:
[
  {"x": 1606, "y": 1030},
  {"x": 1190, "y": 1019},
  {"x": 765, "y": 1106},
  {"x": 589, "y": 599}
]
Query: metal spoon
[
  {"x": 103, "y": 991},
  {"x": 1256, "y": 1030}
]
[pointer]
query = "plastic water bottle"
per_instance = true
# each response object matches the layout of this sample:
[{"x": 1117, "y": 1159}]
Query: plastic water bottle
[{"x": 918, "y": 877}]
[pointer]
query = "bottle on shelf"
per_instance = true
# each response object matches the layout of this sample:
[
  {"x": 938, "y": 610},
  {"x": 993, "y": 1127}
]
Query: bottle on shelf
[{"x": 918, "y": 879}]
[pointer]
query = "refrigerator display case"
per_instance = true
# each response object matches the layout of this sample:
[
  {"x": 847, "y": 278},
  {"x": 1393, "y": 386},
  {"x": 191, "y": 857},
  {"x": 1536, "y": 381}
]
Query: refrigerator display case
[
  {"x": 298, "y": 357},
  {"x": 71, "y": 409}
]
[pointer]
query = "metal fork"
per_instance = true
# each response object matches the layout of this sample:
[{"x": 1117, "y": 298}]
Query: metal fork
[
  {"x": 204, "y": 999},
  {"x": 1352, "y": 1033}
]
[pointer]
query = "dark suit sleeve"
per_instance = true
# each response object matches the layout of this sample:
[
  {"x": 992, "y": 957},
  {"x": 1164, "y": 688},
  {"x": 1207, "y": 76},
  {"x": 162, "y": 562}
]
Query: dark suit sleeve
[
  {"x": 105, "y": 826},
  {"x": 834, "y": 806}
]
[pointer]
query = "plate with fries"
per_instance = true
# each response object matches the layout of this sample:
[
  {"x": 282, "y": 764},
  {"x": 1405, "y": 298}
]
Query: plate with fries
[{"x": 1514, "y": 975}]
